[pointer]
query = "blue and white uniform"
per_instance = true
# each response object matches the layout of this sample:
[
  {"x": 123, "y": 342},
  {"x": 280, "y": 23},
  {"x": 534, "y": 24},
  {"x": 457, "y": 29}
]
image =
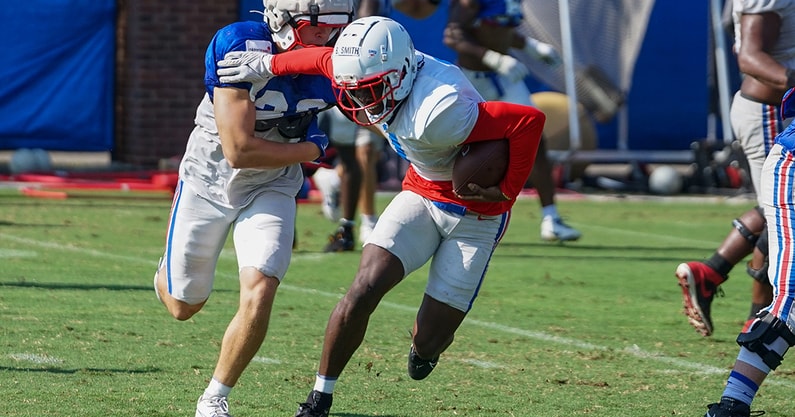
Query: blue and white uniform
[
  {"x": 258, "y": 204},
  {"x": 778, "y": 201}
]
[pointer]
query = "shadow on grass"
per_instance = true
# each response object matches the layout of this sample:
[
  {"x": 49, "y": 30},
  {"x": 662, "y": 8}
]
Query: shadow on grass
[
  {"x": 52, "y": 370},
  {"x": 600, "y": 247},
  {"x": 363, "y": 415},
  {"x": 603, "y": 252},
  {"x": 61, "y": 286},
  {"x": 48, "y": 225}
]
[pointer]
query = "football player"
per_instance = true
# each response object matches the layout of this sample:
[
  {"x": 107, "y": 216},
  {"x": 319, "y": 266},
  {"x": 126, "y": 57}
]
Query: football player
[
  {"x": 241, "y": 171},
  {"x": 427, "y": 109},
  {"x": 765, "y": 46}
]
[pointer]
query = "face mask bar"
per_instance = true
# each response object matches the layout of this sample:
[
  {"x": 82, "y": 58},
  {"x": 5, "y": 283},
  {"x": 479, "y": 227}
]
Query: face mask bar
[
  {"x": 333, "y": 20},
  {"x": 355, "y": 97},
  {"x": 315, "y": 18}
]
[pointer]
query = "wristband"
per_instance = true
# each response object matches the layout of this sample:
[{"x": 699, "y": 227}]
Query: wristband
[{"x": 491, "y": 59}]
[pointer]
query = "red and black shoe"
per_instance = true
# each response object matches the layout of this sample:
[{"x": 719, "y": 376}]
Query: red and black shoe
[{"x": 699, "y": 284}]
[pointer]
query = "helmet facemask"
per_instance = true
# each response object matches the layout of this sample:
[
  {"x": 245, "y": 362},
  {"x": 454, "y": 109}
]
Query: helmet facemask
[
  {"x": 375, "y": 96},
  {"x": 286, "y": 17},
  {"x": 374, "y": 68}
]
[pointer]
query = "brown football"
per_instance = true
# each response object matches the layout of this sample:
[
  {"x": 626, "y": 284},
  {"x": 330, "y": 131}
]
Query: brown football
[{"x": 482, "y": 163}]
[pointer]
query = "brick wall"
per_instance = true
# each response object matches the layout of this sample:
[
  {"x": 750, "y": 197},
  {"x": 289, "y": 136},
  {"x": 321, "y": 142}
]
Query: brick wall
[{"x": 160, "y": 71}]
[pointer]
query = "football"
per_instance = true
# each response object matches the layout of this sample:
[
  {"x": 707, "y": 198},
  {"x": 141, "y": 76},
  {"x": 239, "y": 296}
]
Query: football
[{"x": 482, "y": 163}]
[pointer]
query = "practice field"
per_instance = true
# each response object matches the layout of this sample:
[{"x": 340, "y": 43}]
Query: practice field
[{"x": 591, "y": 328}]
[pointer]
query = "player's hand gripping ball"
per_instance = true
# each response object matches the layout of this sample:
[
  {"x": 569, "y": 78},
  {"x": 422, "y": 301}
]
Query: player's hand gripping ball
[{"x": 482, "y": 163}]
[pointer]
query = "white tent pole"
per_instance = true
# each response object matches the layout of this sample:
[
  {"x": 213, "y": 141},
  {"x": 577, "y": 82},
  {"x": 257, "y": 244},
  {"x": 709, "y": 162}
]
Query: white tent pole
[
  {"x": 722, "y": 70},
  {"x": 568, "y": 68}
]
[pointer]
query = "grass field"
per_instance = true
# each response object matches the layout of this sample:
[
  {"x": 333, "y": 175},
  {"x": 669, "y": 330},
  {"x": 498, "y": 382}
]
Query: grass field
[{"x": 592, "y": 328}]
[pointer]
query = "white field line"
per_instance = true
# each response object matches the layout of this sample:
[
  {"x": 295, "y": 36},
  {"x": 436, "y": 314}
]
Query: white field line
[
  {"x": 632, "y": 350},
  {"x": 35, "y": 358}
]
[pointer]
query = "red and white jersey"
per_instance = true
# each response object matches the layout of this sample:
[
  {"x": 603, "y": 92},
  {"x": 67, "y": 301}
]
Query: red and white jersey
[
  {"x": 442, "y": 112},
  {"x": 783, "y": 50},
  {"x": 434, "y": 120}
]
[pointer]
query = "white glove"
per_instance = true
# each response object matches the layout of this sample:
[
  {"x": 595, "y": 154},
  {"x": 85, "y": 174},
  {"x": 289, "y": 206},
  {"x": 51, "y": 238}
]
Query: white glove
[
  {"x": 505, "y": 65},
  {"x": 245, "y": 67},
  {"x": 541, "y": 51}
]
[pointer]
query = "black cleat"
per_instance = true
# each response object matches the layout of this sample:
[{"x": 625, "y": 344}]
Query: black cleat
[
  {"x": 317, "y": 404},
  {"x": 342, "y": 240},
  {"x": 420, "y": 368},
  {"x": 729, "y": 407}
]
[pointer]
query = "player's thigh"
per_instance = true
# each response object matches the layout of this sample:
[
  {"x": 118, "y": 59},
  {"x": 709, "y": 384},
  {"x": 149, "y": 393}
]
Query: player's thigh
[
  {"x": 778, "y": 201},
  {"x": 197, "y": 231},
  {"x": 755, "y": 126},
  {"x": 264, "y": 232},
  {"x": 407, "y": 229},
  {"x": 460, "y": 263}
]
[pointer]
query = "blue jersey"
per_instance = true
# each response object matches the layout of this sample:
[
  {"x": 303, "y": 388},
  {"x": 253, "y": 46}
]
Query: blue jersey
[
  {"x": 500, "y": 12},
  {"x": 281, "y": 96},
  {"x": 286, "y": 111},
  {"x": 787, "y": 137}
]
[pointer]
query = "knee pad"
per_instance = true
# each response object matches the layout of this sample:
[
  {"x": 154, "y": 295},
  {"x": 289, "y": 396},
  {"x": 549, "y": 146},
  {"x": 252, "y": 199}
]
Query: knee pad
[
  {"x": 749, "y": 236},
  {"x": 758, "y": 274},
  {"x": 765, "y": 331},
  {"x": 761, "y": 243}
]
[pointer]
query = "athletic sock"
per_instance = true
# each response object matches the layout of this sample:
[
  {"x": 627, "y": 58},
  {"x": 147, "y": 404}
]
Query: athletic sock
[
  {"x": 324, "y": 384},
  {"x": 217, "y": 389},
  {"x": 740, "y": 387},
  {"x": 720, "y": 265}
]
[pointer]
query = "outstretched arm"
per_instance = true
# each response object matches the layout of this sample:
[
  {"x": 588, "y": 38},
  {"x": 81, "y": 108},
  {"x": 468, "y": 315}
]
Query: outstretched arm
[
  {"x": 251, "y": 66},
  {"x": 313, "y": 61}
]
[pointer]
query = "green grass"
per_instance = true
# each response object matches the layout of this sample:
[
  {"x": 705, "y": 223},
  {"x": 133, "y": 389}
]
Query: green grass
[{"x": 592, "y": 328}]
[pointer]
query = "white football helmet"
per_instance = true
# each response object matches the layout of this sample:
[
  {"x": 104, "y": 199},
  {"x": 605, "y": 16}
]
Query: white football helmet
[
  {"x": 285, "y": 17},
  {"x": 374, "y": 68}
]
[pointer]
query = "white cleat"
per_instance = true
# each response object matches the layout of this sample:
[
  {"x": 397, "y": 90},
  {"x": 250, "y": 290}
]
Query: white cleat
[
  {"x": 553, "y": 229},
  {"x": 212, "y": 407}
]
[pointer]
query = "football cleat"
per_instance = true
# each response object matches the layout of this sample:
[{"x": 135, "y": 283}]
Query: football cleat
[
  {"x": 554, "y": 229},
  {"x": 317, "y": 404},
  {"x": 419, "y": 368},
  {"x": 342, "y": 240},
  {"x": 729, "y": 407},
  {"x": 698, "y": 289},
  {"x": 212, "y": 407}
]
